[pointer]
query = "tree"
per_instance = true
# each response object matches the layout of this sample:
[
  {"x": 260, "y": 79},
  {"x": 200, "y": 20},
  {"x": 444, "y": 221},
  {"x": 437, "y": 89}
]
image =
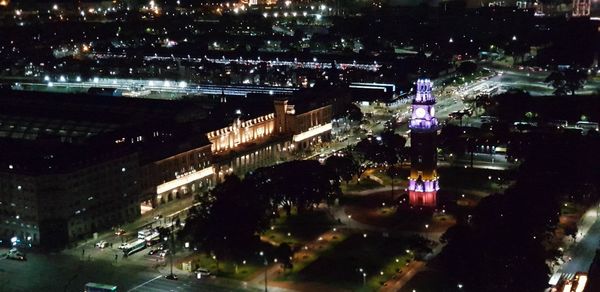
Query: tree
[
  {"x": 231, "y": 224},
  {"x": 393, "y": 171},
  {"x": 344, "y": 166},
  {"x": 299, "y": 183},
  {"x": 467, "y": 68},
  {"x": 569, "y": 80},
  {"x": 284, "y": 254},
  {"x": 354, "y": 114},
  {"x": 574, "y": 80},
  {"x": 557, "y": 81}
]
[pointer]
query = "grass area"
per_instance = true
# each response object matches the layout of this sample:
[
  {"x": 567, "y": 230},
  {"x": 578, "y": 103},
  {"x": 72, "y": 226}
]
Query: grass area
[
  {"x": 387, "y": 180},
  {"x": 356, "y": 186},
  {"x": 307, "y": 255},
  {"x": 570, "y": 209},
  {"x": 298, "y": 229},
  {"x": 227, "y": 268},
  {"x": 374, "y": 254},
  {"x": 370, "y": 210},
  {"x": 469, "y": 178}
]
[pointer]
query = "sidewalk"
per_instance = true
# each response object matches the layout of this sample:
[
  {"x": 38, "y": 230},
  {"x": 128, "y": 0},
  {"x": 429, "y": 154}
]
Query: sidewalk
[{"x": 405, "y": 275}]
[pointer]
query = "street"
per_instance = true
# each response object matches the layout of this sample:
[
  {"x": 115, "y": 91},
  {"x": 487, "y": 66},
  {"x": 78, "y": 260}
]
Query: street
[{"x": 582, "y": 252}]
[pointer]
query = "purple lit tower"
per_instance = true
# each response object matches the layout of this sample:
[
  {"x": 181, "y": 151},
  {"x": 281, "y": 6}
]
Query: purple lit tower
[{"x": 423, "y": 181}]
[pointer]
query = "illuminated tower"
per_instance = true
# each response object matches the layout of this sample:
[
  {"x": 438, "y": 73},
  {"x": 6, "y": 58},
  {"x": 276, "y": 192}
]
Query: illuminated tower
[
  {"x": 423, "y": 180},
  {"x": 581, "y": 8}
]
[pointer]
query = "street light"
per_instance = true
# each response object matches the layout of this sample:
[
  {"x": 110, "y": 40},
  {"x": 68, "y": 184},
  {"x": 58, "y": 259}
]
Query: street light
[{"x": 266, "y": 268}]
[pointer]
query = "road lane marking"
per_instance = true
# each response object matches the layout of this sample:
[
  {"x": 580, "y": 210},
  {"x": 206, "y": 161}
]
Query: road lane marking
[{"x": 140, "y": 285}]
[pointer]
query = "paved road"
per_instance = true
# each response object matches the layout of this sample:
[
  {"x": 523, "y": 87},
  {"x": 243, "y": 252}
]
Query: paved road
[
  {"x": 583, "y": 250},
  {"x": 160, "y": 284},
  {"x": 60, "y": 272}
]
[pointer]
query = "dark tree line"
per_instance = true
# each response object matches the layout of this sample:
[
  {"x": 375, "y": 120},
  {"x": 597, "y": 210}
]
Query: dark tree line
[
  {"x": 501, "y": 246},
  {"x": 229, "y": 220}
]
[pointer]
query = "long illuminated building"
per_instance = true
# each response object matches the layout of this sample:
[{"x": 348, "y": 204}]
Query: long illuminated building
[
  {"x": 75, "y": 164},
  {"x": 423, "y": 181}
]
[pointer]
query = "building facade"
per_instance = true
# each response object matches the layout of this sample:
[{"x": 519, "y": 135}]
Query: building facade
[
  {"x": 423, "y": 181},
  {"x": 176, "y": 176},
  {"x": 307, "y": 125},
  {"x": 241, "y": 132},
  {"x": 41, "y": 206}
]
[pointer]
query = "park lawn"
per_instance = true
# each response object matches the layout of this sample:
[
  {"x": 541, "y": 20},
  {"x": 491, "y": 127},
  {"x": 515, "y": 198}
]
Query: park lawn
[
  {"x": 301, "y": 228},
  {"x": 571, "y": 209},
  {"x": 355, "y": 186},
  {"x": 468, "y": 178},
  {"x": 304, "y": 258},
  {"x": 387, "y": 180},
  {"x": 388, "y": 271},
  {"x": 340, "y": 266},
  {"x": 226, "y": 267}
]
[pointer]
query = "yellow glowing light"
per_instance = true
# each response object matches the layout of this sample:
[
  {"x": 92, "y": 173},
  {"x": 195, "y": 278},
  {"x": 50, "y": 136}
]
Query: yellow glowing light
[
  {"x": 312, "y": 132},
  {"x": 183, "y": 180},
  {"x": 4, "y": 3}
]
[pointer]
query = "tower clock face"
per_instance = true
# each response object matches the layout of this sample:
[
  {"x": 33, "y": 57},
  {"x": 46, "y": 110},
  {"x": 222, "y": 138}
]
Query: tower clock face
[{"x": 420, "y": 113}]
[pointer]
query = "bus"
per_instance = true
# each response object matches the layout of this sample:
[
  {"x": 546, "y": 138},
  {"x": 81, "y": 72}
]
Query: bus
[
  {"x": 587, "y": 126},
  {"x": 152, "y": 239},
  {"x": 145, "y": 233},
  {"x": 134, "y": 247},
  {"x": 95, "y": 287}
]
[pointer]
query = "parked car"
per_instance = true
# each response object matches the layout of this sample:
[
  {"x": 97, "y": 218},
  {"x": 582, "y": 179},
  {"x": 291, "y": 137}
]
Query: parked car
[
  {"x": 171, "y": 277},
  {"x": 153, "y": 251},
  {"x": 120, "y": 231},
  {"x": 15, "y": 254},
  {"x": 164, "y": 253},
  {"x": 202, "y": 272},
  {"x": 101, "y": 244}
]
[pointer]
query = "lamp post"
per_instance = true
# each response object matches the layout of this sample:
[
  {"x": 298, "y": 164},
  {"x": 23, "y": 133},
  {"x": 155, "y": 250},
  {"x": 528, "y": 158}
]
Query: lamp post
[
  {"x": 166, "y": 239},
  {"x": 364, "y": 276},
  {"x": 266, "y": 265}
]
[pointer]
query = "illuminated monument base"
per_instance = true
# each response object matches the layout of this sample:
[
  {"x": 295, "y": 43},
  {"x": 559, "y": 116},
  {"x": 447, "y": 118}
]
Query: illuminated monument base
[{"x": 422, "y": 199}]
